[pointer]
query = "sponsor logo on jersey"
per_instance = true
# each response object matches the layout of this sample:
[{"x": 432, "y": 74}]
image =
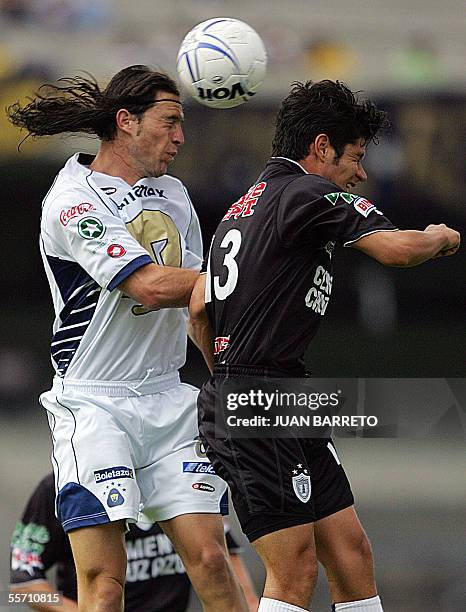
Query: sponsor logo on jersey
[
  {"x": 141, "y": 191},
  {"x": 28, "y": 543},
  {"x": 198, "y": 467},
  {"x": 203, "y": 486},
  {"x": 115, "y": 498},
  {"x": 318, "y": 296},
  {"x": 221, "y": 344},
  {"x": 364, "y": 207},
  {"x": 109, "y": 190},
  {"x": 91, "y": 228},
  {"x": 113, "y": 473},
  {"x": 301, "y": 483},
  {"x": 244, "y": 207},
  {"x": 332, "y": 197},
  {"x": 115, "y": 251},
  {"x": 75, "y": 211},
  {"x": 346, "y": 197}
]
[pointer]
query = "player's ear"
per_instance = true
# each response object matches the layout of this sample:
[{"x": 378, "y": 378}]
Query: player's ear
[
  {"x": 126, "y": 121},
  {"x": 321, "y": 146}
]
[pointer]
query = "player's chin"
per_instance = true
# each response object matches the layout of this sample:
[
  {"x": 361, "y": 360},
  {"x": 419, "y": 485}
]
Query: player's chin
[
  {"x": 159, "y": 170},
  {"x": 164, "y": 164}
]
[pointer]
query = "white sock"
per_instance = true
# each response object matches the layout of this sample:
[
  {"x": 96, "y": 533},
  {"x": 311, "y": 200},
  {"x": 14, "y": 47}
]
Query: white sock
[
  {"x": 274, "y": 605},
  {"x": 373, "y": 604}
]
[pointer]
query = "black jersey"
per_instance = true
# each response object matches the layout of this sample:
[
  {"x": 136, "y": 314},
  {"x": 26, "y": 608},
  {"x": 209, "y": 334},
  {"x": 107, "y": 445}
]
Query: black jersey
[
  {"x": 269, "y": 273},
  {"x": 156, "y": 580}
]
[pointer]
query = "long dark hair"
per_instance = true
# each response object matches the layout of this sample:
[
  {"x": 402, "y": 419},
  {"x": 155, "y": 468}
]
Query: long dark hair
[
  {"x": 326, "y": 107},
  {"x": 77, "y": 104}
]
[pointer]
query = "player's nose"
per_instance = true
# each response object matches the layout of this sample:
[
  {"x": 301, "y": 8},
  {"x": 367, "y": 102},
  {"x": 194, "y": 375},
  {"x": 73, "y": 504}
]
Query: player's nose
[
  {"x": 178, "y": 136},
  {"x": 361, "y": 173}
]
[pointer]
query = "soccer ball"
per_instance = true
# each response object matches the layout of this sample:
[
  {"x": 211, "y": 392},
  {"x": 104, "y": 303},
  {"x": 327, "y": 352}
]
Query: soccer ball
[{"x": 222, "y": 62}]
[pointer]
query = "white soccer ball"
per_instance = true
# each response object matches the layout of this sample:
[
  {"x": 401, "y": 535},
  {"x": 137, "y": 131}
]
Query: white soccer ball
[{"x": 222, "y": 62}]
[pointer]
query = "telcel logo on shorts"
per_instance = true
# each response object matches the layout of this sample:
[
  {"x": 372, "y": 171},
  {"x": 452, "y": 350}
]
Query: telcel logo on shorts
[
  {"x": 198, "y": 467},
  {"x": 112, "y": 473}
]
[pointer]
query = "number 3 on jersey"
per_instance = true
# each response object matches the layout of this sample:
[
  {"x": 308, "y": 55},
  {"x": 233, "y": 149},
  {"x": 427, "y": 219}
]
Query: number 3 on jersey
[{"x": 231, "y": 243}]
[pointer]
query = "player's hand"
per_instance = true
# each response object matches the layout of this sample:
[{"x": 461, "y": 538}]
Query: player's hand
[{"x": 452, "y": 238}]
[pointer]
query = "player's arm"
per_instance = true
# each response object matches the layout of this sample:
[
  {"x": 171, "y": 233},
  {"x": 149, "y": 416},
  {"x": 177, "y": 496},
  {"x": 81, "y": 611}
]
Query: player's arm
[
  {"x": 158, "y": 287},
  {"x": 67, "y": 605},
  {"x": 407, "y": 248},
  {"x": 199, "y": 329}
]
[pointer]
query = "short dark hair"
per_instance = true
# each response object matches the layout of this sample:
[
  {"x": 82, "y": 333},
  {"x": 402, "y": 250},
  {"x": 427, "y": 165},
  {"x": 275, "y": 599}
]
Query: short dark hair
[
  {"x": 78, "y": 104},
  {"x": 327, "y": 107}
]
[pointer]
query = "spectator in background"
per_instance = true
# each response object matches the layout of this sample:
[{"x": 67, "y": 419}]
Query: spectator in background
[
  {"x": 59, "y": 15},
  {"x": 156, "y": 580}
]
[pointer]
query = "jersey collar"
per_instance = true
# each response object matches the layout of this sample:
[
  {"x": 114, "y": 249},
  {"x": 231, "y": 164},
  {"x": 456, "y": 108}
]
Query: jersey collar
[{"x": 292, "y": 161}]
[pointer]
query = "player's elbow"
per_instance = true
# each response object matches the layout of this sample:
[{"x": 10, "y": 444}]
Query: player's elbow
[
  {"x": 197, "y": 311},
  {"x": 150, "y": 297}
]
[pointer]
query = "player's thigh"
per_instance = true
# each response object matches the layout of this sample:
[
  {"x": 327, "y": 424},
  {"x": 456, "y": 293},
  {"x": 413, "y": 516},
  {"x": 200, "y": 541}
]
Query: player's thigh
[
  {"x": 179, "y": 479},
  {"x": 193, "y": 534},
  {"x": 270, "y": 479},
  {"x": 99, "y": 551},
  {"x": 288, "y": 550},
  {"x": 340, "y": 535},
  {"x": 269, "y": 482}
]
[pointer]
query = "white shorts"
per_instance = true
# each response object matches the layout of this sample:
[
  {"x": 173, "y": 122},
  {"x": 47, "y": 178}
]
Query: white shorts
[{"x": 120, "y": 455}]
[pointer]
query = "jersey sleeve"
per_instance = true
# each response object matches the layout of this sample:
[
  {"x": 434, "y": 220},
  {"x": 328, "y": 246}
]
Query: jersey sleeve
[
  {"x": 38, "y": 538},
  {"x": 363, "y": 219},
  {"x": 313, "y": 211},
  {"x": 94, "y": 237}
]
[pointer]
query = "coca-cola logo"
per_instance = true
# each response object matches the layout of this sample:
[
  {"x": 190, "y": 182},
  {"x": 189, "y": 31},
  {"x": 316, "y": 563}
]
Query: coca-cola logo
[{"x": 75, "y": 211}]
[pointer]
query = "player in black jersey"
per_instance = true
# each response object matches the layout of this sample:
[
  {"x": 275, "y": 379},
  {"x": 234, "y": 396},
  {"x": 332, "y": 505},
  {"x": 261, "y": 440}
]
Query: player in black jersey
[
  {"x": 267, "y": 287},
  {"x": 156, "y": 580}
]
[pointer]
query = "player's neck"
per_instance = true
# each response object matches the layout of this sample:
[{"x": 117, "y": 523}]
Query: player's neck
[
  {"x": 311, "y": 164},
  {"x": 111, "y": 159}
]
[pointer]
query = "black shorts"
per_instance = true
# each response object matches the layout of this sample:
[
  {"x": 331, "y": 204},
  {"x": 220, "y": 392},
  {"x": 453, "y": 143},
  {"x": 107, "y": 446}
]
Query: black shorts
[{"x": 274, "y": 482}]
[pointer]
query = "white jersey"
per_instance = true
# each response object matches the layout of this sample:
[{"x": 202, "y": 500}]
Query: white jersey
[{"x": 96, "y": 230}]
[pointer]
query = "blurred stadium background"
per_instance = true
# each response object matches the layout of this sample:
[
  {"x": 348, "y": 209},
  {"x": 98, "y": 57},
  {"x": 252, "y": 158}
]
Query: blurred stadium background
[{"x": 407, "y": 54}]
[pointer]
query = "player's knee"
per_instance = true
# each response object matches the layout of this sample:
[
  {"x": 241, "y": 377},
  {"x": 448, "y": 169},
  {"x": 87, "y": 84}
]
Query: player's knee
[
  {"x": 363, "y": 547},
  {"x": 107, "y": 591},
  {"x": 213, "y": 561},
  {"x": 296, "y": 572},
  {"x": 358, "y": 545},
  {"x": 109, "y": 595},
  {"x": 301, "y": 582}
]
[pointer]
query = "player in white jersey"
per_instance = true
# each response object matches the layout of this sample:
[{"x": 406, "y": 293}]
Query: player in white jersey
[{"x": 121, "y": 246}]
